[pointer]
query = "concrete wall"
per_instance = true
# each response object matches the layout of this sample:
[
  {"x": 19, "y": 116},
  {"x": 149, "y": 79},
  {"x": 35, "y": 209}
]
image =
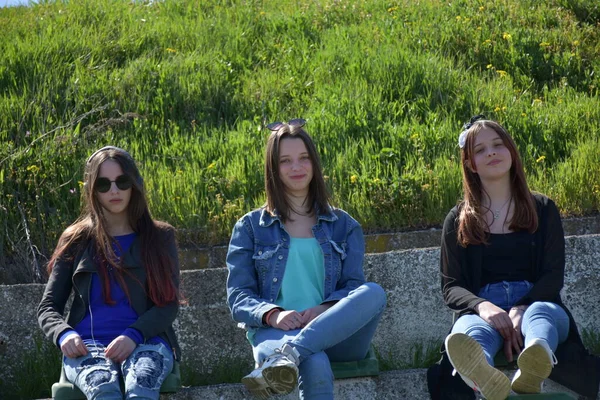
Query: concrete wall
[{"x": 415, "y": 314}]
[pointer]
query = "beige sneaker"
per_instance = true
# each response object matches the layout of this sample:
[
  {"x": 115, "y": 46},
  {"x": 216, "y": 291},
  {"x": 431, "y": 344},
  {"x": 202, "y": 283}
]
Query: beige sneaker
[
  {"x": 278, "y": 374},
  {"x": 535, "y": 365},
  {"x": 468, "y": 359}
]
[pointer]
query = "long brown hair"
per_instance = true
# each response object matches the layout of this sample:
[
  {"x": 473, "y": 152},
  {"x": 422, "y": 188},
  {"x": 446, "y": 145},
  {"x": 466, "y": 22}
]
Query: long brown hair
[
  {"x": 91, "y": 227},
  {"x": 277, "y": 200},
  {"x": 472, "y": 228}
]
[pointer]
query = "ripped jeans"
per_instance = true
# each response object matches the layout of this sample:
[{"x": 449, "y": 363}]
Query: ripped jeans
[{"x": 143, "y": 372}]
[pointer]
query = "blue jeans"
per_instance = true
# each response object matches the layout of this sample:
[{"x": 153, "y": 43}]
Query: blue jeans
[
  {"x": 342, "y": 333},
  {"x": 143, "y": 372},
  {"x": 541, "y": 320}
]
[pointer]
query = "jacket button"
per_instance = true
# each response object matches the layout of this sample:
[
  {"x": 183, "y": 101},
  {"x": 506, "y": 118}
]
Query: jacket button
[
  {"x": 280, "y": 257},
  {"x": 259, "y": 252},
  {"x": 274, "y": 279}
]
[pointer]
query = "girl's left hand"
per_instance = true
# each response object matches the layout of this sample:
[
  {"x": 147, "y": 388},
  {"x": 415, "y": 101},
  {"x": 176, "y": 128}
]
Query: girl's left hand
[
  {"x": 119, "y": 349},
  {"x": 311, "y": 313}
]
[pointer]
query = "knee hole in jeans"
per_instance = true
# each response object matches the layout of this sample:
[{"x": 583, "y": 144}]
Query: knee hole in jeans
[
  {"x": 148, "y": 367},
  {"x": 97, "y": 377}
]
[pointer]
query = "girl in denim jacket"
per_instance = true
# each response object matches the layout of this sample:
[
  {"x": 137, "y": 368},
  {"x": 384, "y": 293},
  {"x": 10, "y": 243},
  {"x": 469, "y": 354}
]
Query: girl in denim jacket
[
  {"x": 295, "y": 280},
  {"x": 122, "y": 268}
]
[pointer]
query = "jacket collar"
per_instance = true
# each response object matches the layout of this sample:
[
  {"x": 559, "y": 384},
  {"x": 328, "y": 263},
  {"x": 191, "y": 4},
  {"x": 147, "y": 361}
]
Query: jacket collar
[
  {"x": 86, "y": 263},
  {"x": 267, "y": 219}
]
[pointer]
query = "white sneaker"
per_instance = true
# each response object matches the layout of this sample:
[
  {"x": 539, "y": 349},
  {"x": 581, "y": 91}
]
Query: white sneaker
[
  {"x": 468, "y": 359},
  {"x": 278, "y": 374},
  {"x": 535, "y": 365}
]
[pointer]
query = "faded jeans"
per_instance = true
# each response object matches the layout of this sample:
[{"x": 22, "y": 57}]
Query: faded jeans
[
  {"x": 541, "y": 320},
  {"x": 143, "y": 372},
  {"x": 342, "y": 333}
]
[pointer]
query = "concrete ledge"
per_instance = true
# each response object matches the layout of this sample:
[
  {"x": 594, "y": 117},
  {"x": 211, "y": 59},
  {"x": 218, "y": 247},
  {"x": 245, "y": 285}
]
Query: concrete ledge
[
  {"x": 405, "y": 384},
  {"x": 415, "y": 316},
  {"x": 192, "y": 257}
]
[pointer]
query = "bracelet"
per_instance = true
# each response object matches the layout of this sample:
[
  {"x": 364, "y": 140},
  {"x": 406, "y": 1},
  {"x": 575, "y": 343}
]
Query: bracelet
[{"x": 269, "y": 313}]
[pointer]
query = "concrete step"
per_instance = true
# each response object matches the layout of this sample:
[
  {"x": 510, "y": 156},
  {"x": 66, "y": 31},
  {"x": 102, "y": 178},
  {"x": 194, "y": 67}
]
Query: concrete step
[{"x": 390, "y": 385}]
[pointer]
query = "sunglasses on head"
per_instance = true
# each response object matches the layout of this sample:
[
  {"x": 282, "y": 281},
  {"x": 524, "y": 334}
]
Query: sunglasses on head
[
  {"x": 123, "y": 182},
  {"x": 295, "y": 123}
]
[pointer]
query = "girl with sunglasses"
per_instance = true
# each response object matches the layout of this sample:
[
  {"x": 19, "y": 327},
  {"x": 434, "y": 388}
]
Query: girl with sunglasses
[
  {"x": 502, "y": 267},
  {"x": 296, "y": 281},
  {"x": 122, "y": 268}
]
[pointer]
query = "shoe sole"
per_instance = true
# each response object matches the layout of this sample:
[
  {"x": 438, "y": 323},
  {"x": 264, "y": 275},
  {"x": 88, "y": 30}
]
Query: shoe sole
[
  {"x": 281, "y": 379},
  {"x": 468, "y": 358},
  {"x": 535, "y": 366}
]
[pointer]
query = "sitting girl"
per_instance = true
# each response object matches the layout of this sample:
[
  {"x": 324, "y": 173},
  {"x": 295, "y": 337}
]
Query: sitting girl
[
  {"x": 502, "y": 266},
  {"x": 123, "y": 269},
  {"x": 296, "y": 281}
]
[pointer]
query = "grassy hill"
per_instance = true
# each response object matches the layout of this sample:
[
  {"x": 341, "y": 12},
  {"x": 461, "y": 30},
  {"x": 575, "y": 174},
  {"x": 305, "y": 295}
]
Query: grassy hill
[{"x": 188, "y": 86}]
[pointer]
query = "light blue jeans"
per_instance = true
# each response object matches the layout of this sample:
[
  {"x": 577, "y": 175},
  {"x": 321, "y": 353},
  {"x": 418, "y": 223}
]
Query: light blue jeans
[
  {"x": 143, "y": 372},
  {"x": 541, "y": 320},
  {"x": 342, "y": 333}
]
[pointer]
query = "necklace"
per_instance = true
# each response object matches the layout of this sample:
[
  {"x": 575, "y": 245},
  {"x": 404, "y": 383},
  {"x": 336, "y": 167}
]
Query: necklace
[{"x": 496, "y": 212}]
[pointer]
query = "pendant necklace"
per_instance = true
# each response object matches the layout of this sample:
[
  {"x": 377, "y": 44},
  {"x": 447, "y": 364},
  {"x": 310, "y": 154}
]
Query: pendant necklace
[{"x": 496, "y": 212}]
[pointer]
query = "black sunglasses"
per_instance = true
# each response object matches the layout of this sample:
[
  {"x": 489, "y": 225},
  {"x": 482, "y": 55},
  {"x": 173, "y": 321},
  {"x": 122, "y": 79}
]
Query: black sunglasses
[
  {"x": 123, "y": 182},
  {"x": 295, "y": 123}
]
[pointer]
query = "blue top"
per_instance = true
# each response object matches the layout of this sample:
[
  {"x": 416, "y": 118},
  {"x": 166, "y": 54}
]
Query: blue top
[
  {"x": 258, "y": 255},
  {"x": 302, "y": 285},
  {"x": 103, "y": 322}
]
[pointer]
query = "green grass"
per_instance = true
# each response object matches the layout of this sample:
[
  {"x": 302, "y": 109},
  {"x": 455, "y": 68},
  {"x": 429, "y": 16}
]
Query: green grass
[
  {"x": 187, "y": 87},
  {"x": 33, "y": 375}
]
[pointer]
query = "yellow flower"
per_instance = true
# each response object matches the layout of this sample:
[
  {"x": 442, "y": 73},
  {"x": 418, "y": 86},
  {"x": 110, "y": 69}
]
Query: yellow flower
[
  {"x": 540, "y": 159},
  {"x": 537, "y": 101},
  {"x": 497, "y": 109},
  {"x": 33, "y": 168},
  {"x": 481, "y": 8},
  {"x": 353, "y": 179},
  {"x": 392, "y": 9},
  {"x": 576, "y": 43},
  {"x": 458, "y": 17},
  {"x": 211, "y": 165},
  {"x": 506, "y": 36},
  {"x": 376, "y": 180},
  {"x": 544, "y": 44},
  {"x": 501, "y": 73},
  {"x": 489, "y": 66},
  {"x": 523, "y": 114},
  {"x": 170, "y": 50},
  {"x": 487, "y": 41}
]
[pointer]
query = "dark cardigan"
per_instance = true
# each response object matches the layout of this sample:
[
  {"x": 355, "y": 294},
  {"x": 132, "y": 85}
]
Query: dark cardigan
[{"x": 461, "y": 277}]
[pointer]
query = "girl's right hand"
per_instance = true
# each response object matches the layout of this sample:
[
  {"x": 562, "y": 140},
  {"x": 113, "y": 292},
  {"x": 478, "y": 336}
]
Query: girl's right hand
[
  {"x": 73, "y": 346},
  {"x": 286, "y": 320},
  {"x": 501, "y": 321}
]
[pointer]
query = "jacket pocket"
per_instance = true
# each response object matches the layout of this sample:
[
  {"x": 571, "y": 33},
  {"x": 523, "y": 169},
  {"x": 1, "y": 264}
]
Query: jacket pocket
[{"x": 263, "y": 258}]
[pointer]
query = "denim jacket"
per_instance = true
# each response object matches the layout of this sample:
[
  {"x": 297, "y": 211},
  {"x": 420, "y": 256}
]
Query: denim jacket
[{"x": 258, "y": 253}]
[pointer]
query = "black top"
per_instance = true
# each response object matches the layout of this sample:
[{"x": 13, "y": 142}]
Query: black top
[{"x": 507, "y": 257}]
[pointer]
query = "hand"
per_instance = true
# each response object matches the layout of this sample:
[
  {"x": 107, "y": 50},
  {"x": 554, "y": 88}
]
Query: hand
[
  {"x": 73, "y": 346},
  {"x": 119, "y": 349},
  {"x": 286, "y": 320},
  {"x": 311, "y": 313},
  {"x": 500, "y": 320},
  {"x": 516, "y": 316}
]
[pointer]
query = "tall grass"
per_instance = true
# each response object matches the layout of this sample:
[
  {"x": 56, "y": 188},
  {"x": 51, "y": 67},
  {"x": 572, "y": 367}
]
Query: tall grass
[{"x": 188, "y": 86}]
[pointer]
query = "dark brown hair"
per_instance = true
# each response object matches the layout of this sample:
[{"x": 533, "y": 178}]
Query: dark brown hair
[
  {"x": 472, "y": 228},
  {"x": 277, "y": 200},
  {"x": 90, "y": 227}
]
